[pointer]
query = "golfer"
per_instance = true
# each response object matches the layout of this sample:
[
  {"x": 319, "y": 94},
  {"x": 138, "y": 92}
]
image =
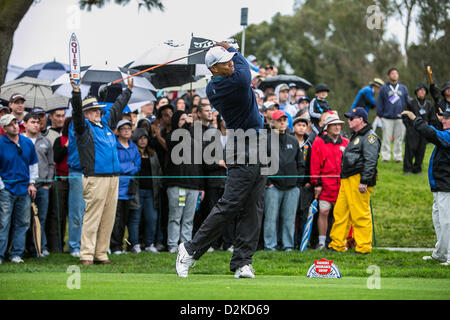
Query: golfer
[{"x": 230, "y": 93}]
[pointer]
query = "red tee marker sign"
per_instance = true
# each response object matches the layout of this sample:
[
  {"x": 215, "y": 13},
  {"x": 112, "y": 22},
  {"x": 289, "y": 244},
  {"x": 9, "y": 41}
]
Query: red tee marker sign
[{"x": 323, "y": 268}]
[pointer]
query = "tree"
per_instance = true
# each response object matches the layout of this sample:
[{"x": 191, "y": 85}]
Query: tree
[{"x": 13, "y": 11}]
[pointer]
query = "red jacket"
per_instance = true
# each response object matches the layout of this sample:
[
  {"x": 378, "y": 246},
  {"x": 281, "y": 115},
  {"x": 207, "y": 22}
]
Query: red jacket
[{"x": 326, "y": 157}]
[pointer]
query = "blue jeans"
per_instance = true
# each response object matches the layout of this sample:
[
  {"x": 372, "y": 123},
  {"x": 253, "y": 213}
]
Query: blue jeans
[
  {"x": 283, "y": 202},
  {"x": 146, "y": 207},
  {"x": 76, "y": 209},
  {"x": 42, "y": 198},
  {"x": 20, "y": 206}
]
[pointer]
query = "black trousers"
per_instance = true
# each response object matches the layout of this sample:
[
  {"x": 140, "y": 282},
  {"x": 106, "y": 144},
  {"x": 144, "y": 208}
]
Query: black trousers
[
  {"x": 58, "y": 208},
  {"x": 121, "y": 221},
  {"x": 415, "y": 146},
  {"x": 243, "y": 199}
]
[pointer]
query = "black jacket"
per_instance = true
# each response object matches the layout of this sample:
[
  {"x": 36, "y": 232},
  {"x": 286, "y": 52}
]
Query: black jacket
[
  {"x": 361, "y": 156},
  {"x": 439, "y": 166},
  {"x": 213, "y": 170},
  {"x": 420, "y": 108},
  {"x": 291, "y": 162},
  {"x": 180, "y": 171}
]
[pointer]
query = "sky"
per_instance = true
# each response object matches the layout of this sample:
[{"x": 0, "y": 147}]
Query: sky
[{"x": 119, "y": 34}]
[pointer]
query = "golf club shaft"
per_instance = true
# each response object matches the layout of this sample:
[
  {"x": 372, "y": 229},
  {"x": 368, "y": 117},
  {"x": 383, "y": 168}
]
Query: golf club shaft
[{"x": 155, "y": 67}]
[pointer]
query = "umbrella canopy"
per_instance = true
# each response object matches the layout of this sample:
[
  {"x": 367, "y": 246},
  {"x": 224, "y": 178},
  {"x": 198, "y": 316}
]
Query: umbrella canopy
[
  {"x": 46, "y": 70},
  {"x": 94, "y": 76},
  {"x": 199, "y": 84},
  {"x": 176, "y": 73},
  {"x": 36, "y": 229},
  {"x": 37, "y": 93},
  {"x": 283, "y": 78}
]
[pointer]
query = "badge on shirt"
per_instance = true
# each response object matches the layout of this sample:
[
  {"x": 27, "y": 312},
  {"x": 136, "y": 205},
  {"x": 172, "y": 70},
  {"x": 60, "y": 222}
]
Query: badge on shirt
[
  {"x": 356, "y": 141},
  {"x": 422, "y": 111},
  {"x": 371, "y": 138},
  {"x": 394, "y": 98}
]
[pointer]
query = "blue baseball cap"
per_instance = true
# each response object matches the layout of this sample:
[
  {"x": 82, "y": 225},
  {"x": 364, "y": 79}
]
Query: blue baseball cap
[
  {"x": 304, "y": 98},
  {"x": 357, "y": 112}
]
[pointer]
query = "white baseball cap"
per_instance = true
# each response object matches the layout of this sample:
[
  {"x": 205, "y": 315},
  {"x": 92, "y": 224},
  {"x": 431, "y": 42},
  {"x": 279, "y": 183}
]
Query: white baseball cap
[
  {"x": 6, "y": 120},
  {"x": 218, "y": 55}
]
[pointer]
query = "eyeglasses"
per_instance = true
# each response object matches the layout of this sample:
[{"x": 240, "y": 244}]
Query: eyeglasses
[{"x": 19, "y": 149}]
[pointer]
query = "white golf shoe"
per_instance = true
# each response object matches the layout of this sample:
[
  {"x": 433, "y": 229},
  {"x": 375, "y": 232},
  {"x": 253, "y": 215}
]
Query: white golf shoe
[
  {"x": 184, "y": 261},
  {"x": 246, "y": 271}
]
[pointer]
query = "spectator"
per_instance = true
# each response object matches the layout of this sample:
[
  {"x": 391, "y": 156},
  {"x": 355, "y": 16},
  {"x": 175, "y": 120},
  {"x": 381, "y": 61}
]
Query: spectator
[
  {"x": 147, "y": 111},
  {"x": 59, "y": 208},
  {"x": 180, "y": 104},
  {"x": 326, "y": 156},
  {"x": 145, "y": 124},
  {"x": 187, "y": 96},
  {"x": 318, "y": 106},
  {"x": 162, "y": 101},
  {"x": 391, "y": 100},
  {"x": 17, "y": 107},
  {"x": 292, "y": 92},
  {"x": 269, "y": 107},
  {"x": 440, "y": 104},
  {"x": 299, "y": 93},
  {"x": 259, "y": 98},
  {"x": 130, "y": 164},
  {"x": 57, "y": 118},
  {"x": 46, "y": 170},
  {"x": 97, "y": 148},
  {"x": 358, "y": 177},
  {"x": 302, "y": 105},
  {"x": 18, "y": 173},
  {"x": 195, "y": 101},
  {"x": 439, "y": 177},
  {"x": 282, "y": 92},
  {"x": 182, "y": 192},
  {"x": 42, "y": 119},
  {"x": 149, "y": 189},
  {"x": 4, "y": 110},
  {"x": 301, "y": 125},
  {"x": 365, "y": 97},
  {"x": 415, "y": 143},
  {"x": 282, "y": 194},
  {"x": 76, "y": 200}
]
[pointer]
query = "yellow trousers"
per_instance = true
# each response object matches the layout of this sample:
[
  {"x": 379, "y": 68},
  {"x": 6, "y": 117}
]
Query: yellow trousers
[
  {"x": 100, "y": 195},
  {"x": 352, "y": 207}
]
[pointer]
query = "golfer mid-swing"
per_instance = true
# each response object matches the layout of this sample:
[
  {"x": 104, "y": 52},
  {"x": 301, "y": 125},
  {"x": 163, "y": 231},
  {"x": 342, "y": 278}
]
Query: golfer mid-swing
[{"x": 229, "y": 92}]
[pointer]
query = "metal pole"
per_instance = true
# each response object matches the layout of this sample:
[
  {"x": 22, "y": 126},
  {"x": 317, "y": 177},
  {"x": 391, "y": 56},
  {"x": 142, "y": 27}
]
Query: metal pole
[{"x": 243, "y": 42}]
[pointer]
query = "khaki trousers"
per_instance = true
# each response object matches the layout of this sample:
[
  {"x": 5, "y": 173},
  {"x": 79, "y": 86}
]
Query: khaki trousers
[
  {"x": 392, "y": 128},
  {"x": 100, "y": 195}
]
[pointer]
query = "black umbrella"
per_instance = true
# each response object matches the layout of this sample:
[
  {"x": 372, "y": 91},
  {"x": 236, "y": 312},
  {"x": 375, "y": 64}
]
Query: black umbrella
[{"x": 284, "y": 78}]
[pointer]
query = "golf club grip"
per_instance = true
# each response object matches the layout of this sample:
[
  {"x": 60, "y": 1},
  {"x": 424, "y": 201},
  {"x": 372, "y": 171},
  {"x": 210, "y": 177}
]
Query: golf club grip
[{"x": 155, "y": 67}]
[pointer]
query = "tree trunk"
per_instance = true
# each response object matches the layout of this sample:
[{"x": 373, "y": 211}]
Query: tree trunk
[{"x": 11, "y": 13}]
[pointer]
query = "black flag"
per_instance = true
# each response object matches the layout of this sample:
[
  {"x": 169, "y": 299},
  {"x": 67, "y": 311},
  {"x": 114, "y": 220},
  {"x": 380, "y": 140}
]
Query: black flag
[{"x": 198, "y": 44}]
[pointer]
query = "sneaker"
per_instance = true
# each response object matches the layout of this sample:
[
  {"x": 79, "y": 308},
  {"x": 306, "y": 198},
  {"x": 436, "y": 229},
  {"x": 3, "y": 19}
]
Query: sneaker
[
  {"x": 152, "y": 248},
  {"x": 136, "y": 248},
  {"x": 211, "y": 249},
  {"x": 246, "y": 271},
  {"x": 321, "y": 247},
  {"x": 445, "y": 263},
  {"x": 231, "y": 249},
  {"x": 432, "y": 258},
  {"x": 184, "y": 261},
  {"x": 160, "y": 247},
  {"x": 117, "y": 252},
  {"x": 173, "y": 250},
  {"x": 75, "y": 254},
  {"x": 45, "y": 253},
  {"x": 16, "y": 259}
]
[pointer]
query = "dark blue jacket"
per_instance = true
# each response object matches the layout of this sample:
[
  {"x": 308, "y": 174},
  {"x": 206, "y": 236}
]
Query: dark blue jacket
[
  {"x": 130, "y": 164},
  {"x": 97, "y": 146},
  {"x": 234, "y": 97},
  {"x": 386, "y": 109},
  {"x": 439, "y": 166},
  {"x": 73, "y": 159}
]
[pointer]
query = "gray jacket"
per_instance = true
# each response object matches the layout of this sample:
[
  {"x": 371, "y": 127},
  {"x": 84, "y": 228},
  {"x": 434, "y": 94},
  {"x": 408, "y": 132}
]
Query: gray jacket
[{"x": 46, "y": 165}]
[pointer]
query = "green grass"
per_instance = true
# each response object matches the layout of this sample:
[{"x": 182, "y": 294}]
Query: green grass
[
  {"x": 402, "y": 206},
  {"x": 280, "y": 275}
]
